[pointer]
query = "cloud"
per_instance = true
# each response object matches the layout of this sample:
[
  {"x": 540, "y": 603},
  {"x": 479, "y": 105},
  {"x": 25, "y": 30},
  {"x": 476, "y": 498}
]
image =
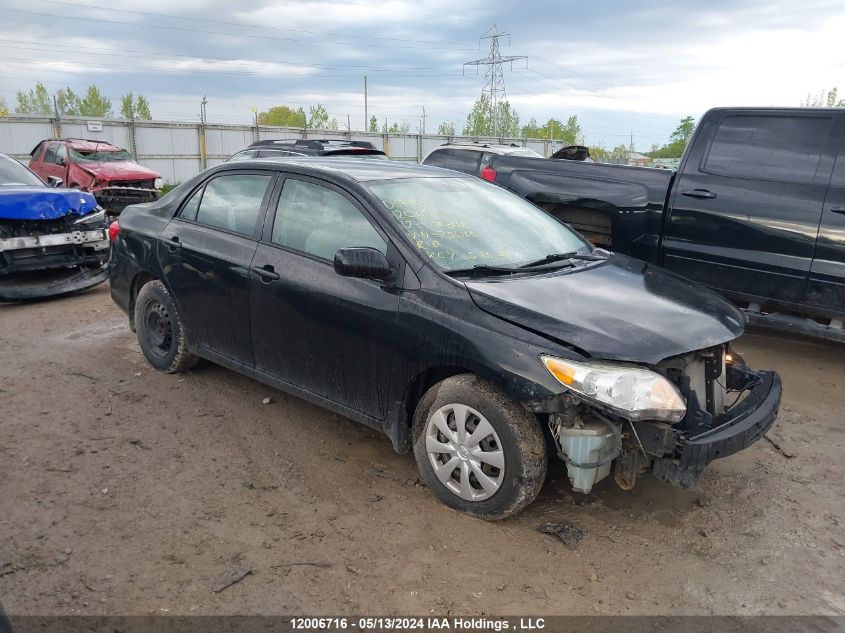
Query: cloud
[{"x": 622, "y": 68}]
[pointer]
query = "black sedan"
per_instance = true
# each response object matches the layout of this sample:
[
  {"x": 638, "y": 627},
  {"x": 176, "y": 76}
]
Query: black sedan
[{"x": 457, "y": 318}]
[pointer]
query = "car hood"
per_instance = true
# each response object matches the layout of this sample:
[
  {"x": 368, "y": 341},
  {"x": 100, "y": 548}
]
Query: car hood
[
  {"x": 622, "y": 309},
  {"x": 43, "y": 203},
  {"x": 119, "y": 170}
]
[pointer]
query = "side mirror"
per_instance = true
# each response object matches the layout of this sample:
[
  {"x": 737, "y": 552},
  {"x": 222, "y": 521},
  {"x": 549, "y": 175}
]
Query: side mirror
[
  {"x": 53, "y": 181},
  {"x": 365, "y": 263}
]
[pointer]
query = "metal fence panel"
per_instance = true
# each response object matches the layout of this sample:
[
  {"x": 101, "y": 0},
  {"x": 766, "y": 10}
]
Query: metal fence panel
[{"x": 173, "y": 149}]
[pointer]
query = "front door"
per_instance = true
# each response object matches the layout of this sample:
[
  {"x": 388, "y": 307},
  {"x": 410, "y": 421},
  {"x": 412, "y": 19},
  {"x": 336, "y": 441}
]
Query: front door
[
  {"x": 329, "y": 335},
  {"x": 745, "y": 210},
  {"x": 826, "y": 286},
  {"x": 206, "y": 252}
]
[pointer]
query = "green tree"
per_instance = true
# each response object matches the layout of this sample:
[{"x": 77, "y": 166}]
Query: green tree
[
  {"x": 824, "y": 100},
  {"x": 4, "y": 109},
  {"x": 127, "y": 106},
  {"x": 683, "y": 132},
  {"x": 94, "y": 103},
  {"x": 599, "y": 153},
  {"x": 142, "y": 109},
  {"x": 283, "y": 116},
  {"x": 480, "y": 120},
  {"x": 446, "y": 129},
  {"x": 532, "y": 129},
  {"x": 677, "y": 141},
  {"x": 399, "y": 128},
  {"x": 373, "y": 124},
  {"x": 318, "y": 117},
  {"x": 36, "y": 101},
  {"x": 67, "y": 101}
]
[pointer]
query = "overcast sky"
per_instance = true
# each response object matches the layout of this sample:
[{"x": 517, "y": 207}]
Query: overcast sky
[{"x": 622, "y": 67}]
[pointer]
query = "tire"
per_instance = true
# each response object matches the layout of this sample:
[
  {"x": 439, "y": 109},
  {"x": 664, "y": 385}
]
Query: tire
[
  {"x": 161, "y": 333},
  {"x": 515, "y": 442}
]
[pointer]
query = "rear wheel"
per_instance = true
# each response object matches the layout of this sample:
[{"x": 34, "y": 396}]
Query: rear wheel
[
  {"x": 161, "y": 333},
  {"x": 477, "y": 450}
]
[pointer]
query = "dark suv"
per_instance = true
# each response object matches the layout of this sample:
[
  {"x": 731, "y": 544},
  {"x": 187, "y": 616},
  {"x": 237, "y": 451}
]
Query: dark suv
[{"x": 276, "y": 148}]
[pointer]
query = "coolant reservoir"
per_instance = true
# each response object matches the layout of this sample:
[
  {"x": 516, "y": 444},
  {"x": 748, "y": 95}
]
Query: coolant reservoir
[{"x": 588, "y": 443}]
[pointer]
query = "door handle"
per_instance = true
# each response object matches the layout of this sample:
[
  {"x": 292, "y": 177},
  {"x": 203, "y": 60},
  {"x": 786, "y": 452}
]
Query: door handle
[
  {"x": 266, "y": 272},
  {"x": 701, "y": 194},
  {"x": 839, "y": 210},
  {"x": 173, "y": 243}
]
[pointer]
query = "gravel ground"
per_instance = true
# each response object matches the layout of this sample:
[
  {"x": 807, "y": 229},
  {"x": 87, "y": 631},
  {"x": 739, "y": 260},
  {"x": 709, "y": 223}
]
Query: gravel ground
[{"x": 127, "y": 491}]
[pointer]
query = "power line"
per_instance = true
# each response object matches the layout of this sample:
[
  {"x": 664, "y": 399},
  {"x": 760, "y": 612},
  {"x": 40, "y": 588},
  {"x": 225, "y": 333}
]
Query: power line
[
  {"x": 174, "y": 69},
  {"x": 246, "y": 24},
  {"x": 207, "y": 32},
  {"x": 40, "y": 47}
]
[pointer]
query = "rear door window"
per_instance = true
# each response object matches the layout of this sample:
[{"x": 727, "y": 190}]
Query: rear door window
[
  {"x": 775, "y": 148},
  {"x": 230, "y": 202}
]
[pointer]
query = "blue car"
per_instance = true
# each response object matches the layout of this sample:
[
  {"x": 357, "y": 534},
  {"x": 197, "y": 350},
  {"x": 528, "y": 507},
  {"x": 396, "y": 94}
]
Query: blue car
[{"x": 52, "y": 241}]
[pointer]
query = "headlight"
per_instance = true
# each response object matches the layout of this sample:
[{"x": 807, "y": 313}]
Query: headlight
[
  {"x": 634, "y": 393},
  {"x": 159, "y": 183},
  {"x": 98, "y": 216}
]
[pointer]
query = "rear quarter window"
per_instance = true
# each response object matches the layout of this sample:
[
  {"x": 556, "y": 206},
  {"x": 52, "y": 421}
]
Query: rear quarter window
[{"x": 774, "y": 148}]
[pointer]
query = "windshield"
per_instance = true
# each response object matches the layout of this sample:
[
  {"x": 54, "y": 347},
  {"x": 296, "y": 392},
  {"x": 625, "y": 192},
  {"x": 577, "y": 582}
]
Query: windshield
[
  {"x": 105, "y": 156},
  {"x": 13, "y": 174},
  {"x": 464, "y": 222}
]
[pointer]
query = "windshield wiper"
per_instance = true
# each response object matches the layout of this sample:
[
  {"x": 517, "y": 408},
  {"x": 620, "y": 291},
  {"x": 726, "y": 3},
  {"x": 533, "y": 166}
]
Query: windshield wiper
[
  {"x": 558, "y": 257},
  {"x": 485, "y": 269}
]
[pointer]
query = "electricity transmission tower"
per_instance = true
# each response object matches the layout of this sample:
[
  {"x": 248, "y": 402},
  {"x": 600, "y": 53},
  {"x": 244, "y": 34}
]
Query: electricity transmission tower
[{"x": 494, "y": 80}]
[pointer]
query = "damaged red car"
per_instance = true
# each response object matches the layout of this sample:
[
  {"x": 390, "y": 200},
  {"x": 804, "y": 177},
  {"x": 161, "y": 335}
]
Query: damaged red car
[{"x": 103, "y": 169}]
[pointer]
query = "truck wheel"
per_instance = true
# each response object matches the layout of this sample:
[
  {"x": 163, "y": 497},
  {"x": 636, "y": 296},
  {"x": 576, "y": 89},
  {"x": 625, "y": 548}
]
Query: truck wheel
[
  {"x": 476, "y": 449},
  {"x": 161, "y": 333}
]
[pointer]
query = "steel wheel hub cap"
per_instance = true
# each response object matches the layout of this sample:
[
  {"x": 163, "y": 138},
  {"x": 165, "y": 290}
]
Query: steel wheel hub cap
[{"x": 465, "y": 452}]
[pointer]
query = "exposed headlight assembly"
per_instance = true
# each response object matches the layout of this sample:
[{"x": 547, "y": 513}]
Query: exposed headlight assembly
[
  {"x": 158, "y": 183},
  {"x": 632, "y": 392},
  {"x": 97, "y": 216}
]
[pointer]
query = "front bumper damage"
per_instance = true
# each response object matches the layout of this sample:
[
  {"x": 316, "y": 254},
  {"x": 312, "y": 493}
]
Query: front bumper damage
[
  {"x": 675, "y": 453},
  {"x": 41, "y": 265},
  {"x": 115, "y": 199}
]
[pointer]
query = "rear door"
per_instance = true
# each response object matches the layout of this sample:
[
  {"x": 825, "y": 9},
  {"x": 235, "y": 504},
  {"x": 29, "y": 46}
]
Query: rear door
[
  {"x": 50, "y": 164},
  {"x": 332, "y": 336},
  {"x": 745, "y": 211},
  {"x": 206, "y": 252},
  {"x": 826, "y": 286}
]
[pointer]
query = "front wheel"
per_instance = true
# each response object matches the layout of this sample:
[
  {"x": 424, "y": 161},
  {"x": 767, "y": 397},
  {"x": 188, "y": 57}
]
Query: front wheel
[
  {"x": 477, "y": 450},
  {"x": 161, "y": 333}
]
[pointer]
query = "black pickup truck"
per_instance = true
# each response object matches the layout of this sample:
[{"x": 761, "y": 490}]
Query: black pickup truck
[{"x": 756, "y": 210}]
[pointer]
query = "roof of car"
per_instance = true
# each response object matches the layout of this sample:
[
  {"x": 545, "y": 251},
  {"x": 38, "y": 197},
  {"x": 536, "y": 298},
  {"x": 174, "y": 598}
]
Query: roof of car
[
  {"x": 89, "y": 145},
  {"x": 483, "y": 147},
  {"x": 358, "y": 169}
]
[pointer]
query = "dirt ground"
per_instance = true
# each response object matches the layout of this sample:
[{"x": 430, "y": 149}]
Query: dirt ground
[{"x": 127, "y": 491}]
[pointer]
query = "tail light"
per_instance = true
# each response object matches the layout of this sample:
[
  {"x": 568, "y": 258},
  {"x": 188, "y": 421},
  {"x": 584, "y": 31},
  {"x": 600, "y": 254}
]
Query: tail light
[
  {"x": 488, "y": 173},
  {"x": 114, "y": 229}
]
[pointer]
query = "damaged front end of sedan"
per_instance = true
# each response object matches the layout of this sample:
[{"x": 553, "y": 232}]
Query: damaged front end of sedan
[
  {"x": 671, "y": 419},
  {"x": 52, "y": 242}
]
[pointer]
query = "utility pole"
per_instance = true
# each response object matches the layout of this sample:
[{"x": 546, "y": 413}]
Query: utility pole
[
  {"x": 57, "y": 121},
  {"x": 423, "y": 117},
  {"x": 494, "y": 80},
  {"x": 348, "y": 124},
  {"x": 203, "y": 155},
  {"x": 366, "y": 114}
]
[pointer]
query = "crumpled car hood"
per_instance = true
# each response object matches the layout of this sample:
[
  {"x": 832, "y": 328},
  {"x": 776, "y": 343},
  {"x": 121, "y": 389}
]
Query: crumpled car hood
[
  {"x": 42, "y": 203},
  {"x": 623, "y": 309},
  {"x": 118, "y": 170}
]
